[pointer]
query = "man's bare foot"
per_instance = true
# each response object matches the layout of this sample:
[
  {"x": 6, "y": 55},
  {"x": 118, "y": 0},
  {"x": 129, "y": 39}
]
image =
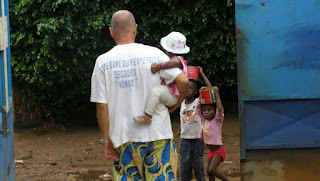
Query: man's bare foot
[{"x": 143, "y": 119}]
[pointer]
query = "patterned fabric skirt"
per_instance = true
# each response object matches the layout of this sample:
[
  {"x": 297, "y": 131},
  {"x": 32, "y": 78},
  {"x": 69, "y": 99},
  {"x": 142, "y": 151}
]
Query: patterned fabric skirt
[{"x": 156, "y": 160}]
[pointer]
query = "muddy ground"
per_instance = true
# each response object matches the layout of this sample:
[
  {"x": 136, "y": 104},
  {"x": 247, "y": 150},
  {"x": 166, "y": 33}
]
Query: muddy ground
[{"x": 76, "y": 154}]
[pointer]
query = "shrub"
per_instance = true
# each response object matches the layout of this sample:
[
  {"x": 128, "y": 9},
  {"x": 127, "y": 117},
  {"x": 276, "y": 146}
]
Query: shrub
[{"x": 55, "y": 43}]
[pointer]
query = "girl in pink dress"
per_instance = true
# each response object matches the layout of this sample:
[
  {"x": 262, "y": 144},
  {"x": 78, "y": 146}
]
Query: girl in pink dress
[{"x": 212, "y": 120}]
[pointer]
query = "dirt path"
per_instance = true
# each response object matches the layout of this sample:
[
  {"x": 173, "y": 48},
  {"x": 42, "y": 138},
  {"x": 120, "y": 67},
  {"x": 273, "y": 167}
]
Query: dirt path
[{"x": 76, "y": 155}]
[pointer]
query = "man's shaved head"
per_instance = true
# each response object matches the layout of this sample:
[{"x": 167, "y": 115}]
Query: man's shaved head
[{"x": 122, "y": 22}]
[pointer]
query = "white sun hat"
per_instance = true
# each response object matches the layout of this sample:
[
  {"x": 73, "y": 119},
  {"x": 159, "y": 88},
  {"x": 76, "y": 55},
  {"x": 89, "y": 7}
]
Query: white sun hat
[{"x": 175, "y": 42}]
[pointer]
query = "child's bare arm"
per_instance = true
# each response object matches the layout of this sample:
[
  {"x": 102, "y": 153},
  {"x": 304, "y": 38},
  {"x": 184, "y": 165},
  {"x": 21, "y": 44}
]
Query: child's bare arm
[
  {"x": 198, "y": 109},
  {"x": 174, "y": 62},
  {"x": 204, "y": 77},
  {"x": 217, "y": 97}
]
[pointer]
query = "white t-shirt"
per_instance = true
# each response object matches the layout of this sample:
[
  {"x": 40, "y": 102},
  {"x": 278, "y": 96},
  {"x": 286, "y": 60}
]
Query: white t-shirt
[
  {"x": 122, "y": 78},
  {"x": 190, "y": 121}
]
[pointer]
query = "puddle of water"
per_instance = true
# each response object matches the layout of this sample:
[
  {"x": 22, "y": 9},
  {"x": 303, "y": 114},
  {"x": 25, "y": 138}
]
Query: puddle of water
[{"x": 90, "y": 175}]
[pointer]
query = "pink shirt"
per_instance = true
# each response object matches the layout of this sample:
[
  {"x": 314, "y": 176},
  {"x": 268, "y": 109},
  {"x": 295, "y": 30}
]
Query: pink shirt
[
  {"x": 211, "y": 129},
  {"x": 173, "y": 87}
]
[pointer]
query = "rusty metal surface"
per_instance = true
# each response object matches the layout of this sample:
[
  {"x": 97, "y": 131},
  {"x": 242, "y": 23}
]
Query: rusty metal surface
[
  {"x": 292, "y": 164},
  {"x": 263, "y": 170}
]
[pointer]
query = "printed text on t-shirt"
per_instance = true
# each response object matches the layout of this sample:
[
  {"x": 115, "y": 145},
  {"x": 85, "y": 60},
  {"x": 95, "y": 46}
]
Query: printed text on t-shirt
[{"x": 124, "y": 71}]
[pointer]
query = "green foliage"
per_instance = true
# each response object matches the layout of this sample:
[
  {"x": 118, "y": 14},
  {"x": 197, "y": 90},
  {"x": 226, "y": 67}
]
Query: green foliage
[{"x": 55, "y": 43}]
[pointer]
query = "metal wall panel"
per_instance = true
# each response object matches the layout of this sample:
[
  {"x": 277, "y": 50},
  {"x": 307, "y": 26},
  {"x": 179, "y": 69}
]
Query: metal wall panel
[
  {"x": 278, "y": 53},
  {"x": 282, "y": 124},
  {"x": 278, "y": 49},
  {"x": 7, "y": 160}
]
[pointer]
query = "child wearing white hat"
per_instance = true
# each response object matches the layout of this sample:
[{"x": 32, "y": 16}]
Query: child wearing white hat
[{"x": 174, "y": 44}]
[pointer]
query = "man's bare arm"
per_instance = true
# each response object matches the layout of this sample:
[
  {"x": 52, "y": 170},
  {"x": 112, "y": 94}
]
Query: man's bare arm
[{"x": 103, "y": 121}]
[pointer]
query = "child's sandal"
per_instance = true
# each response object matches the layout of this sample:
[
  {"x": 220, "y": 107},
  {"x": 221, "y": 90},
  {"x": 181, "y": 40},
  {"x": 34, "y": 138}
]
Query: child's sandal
[{"x": 143, "y": 119}]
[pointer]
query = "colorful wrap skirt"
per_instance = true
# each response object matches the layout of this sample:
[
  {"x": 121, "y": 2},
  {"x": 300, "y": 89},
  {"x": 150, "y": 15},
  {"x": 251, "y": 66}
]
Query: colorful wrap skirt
[{"x": 156, "y": 160}]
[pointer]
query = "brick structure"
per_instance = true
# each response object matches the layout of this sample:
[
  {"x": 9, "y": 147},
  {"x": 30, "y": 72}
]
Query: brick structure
[{"x": 25, "y": 113}]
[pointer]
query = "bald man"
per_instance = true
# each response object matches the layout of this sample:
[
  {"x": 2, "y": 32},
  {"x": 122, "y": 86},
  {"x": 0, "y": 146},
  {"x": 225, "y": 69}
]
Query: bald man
[{"x": 121, "y": 82}]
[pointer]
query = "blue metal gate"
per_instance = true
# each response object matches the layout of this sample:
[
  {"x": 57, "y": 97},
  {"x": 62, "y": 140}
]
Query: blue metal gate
[
  {"x": 7, "y": 161},
  {"x": 278, "y": 53}
]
